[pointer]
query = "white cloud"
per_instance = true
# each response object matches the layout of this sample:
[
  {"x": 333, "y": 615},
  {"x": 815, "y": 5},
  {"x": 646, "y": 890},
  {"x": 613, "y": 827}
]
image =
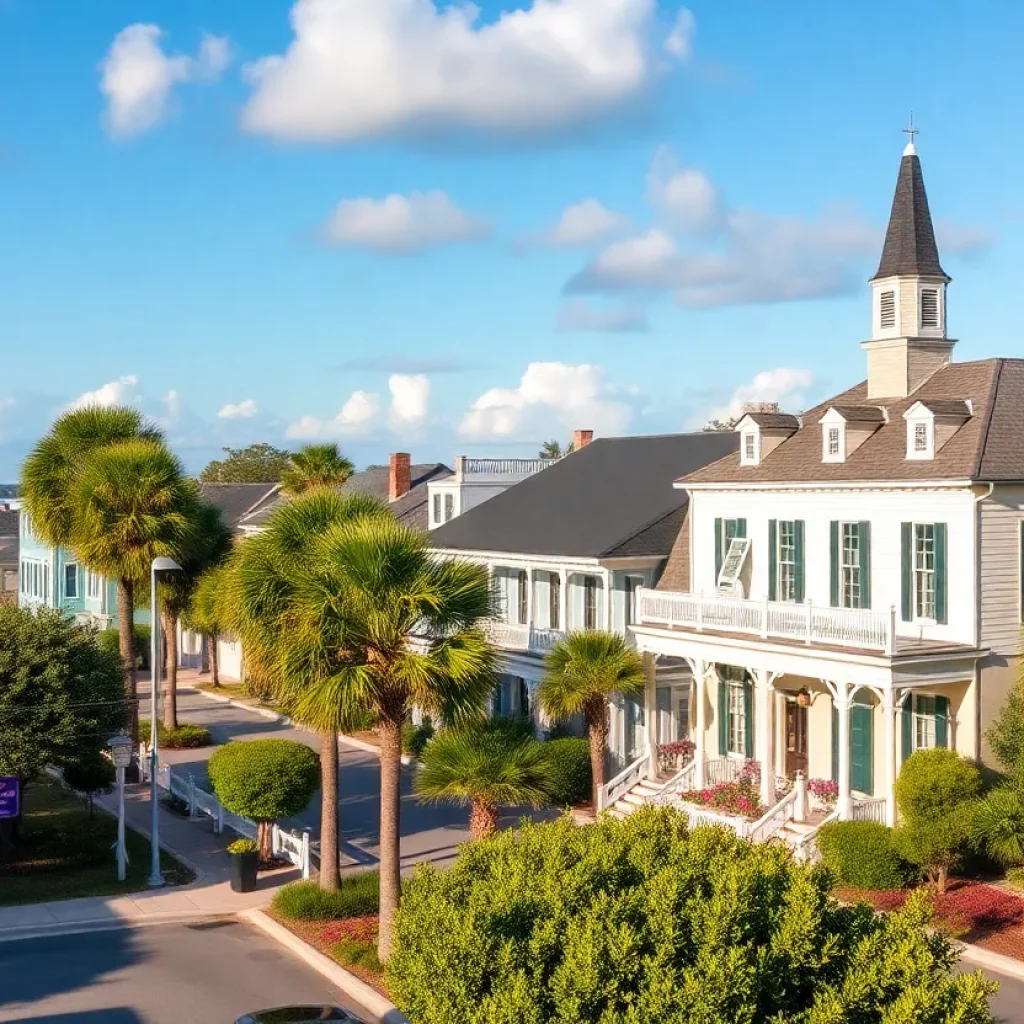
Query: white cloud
[
  {"x": 401, "y": 224},
  {"x": 123, "y": 391},
  {"x": 243, "y": 410},
  {"x": 685, "y": 196},
  {"x": 784, "y": 385},
  {"x": 410, "y": 399},
  {"x": 550, "y": 396},
  {"x": 680, "y": 40},
  {"x": 579, "y": 316},
  {"x": 367, "y": 68},
  {"x": 173, "y": 408},
  {"x": 962, "y": 239},
  {"x": 582, "y": 223},
  {"x": 356, "y": 417},
  {"x": 138, "y": 78}
]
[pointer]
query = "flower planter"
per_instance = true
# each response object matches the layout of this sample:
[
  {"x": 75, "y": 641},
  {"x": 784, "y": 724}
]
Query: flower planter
[{"x": 243, "y": 871}]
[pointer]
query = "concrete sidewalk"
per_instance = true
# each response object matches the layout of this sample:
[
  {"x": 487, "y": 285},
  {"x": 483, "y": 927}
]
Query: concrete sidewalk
[{"x": 192, "y": 842}]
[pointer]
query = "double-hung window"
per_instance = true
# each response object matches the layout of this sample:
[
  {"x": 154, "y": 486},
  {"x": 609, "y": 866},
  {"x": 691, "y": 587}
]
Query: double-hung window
[
  {"x": 787, "y": 561},
  {"x": 924, "y": 570},
  {"x": 924, "y": 590},
  {"x": 555, "y": 600},
  {"x": 590, "y": 602},
  {"x": 926, "y": 720},
  {"x": 851, "y": 579},
  {"x": 449, "y": 507},
  {"x": 523, "y": 594},
  {"x": 94, "y": 585},
  {"x": 924, "y": 723},
  {"x": 737, "y": 718},
  {"x": 71, "y": 581},
  {"x": 437, "y": 509}
]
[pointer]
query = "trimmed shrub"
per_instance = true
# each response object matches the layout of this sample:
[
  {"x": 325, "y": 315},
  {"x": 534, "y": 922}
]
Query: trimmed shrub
[
  {"x": 643, "y": 920},
  {"x": 570, "y": 766},
  {"x": 109, "y": 640},
  {"x": 186, "y": 737},
  {"x": 861, "y": 854},
  {"x": 265, "y": 780},
  {"x": 416, "y": 737},
  {"x": 357, "y": 896}
]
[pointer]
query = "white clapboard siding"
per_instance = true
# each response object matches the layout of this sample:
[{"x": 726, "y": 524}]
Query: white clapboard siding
[{"x": 1001, "y": 516}]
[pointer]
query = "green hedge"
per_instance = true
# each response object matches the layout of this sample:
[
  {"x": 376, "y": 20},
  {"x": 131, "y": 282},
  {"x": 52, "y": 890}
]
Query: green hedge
[
  {"x": 416, "y": 737},
  {"x": 570, "y": 765},
  {"x": 357, "y": 896},
  {"x": 109, "y": 640},
  {"x": 861, "y": 854},
  {"x": 185, "y": 737}
]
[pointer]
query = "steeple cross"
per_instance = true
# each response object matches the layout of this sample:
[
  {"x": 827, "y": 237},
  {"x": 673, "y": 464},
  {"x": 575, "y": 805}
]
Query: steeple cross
[{"x": 911, "y": 131}]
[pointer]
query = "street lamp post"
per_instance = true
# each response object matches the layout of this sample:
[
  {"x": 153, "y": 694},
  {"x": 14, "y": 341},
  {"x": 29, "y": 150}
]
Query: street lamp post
[
  {"x": 121, "y": 752},
  {"x": 159, "y": 565}
]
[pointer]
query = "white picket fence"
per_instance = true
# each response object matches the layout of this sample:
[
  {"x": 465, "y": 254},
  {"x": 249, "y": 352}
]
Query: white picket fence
[{"x": 294, "y": 847}]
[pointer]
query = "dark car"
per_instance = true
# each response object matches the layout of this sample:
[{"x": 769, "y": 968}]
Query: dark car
[{"x": 299, "y": 1015}]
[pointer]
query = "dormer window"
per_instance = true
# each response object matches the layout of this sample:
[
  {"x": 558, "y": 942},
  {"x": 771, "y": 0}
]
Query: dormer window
[
  {"x": 920, "y": 437},
  {"x": 887, "y": 310},
  {"x": 833, "y": 440},
  {"x": 929, "y": 307},
  {"x": 749, "y": 448}
]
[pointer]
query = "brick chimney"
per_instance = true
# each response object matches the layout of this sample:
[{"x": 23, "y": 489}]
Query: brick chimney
[
  {"x": 581, "y": 438},
  {"x": 399, "y": 475}
]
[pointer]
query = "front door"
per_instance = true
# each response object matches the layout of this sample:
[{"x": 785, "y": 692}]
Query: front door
[{"x": 796, "y": 739}]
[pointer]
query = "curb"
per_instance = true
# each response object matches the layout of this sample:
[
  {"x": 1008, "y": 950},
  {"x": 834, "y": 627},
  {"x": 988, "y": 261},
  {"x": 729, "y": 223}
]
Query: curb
[
  {"x": 384, "y": 1011},
  {"x": 106, "y": 924},
  {"x": 996, "y": 962}
]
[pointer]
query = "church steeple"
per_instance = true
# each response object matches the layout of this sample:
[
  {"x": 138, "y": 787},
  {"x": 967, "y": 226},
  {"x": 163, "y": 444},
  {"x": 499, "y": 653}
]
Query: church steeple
[{"x": 908, "y": 293}]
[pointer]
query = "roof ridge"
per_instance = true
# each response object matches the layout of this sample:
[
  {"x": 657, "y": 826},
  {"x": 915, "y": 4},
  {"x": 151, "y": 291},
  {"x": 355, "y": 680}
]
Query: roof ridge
[{"x": 987, "y": 425}]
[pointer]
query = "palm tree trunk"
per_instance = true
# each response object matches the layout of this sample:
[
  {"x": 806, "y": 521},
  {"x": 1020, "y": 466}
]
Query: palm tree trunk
[
  {"x": 483, "y": 819},
  {"x": 390, "y": 733},
  {"x": 597, "y": 726},
  {"x": 214, "y": 658},
  {"x": 329, "y": 810},
  {"x": 126, "y": 643},
  {"x": 170, "y": 627}
]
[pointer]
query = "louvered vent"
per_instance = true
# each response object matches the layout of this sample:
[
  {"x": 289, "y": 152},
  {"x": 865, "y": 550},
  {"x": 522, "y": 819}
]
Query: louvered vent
[
  {"x": 929, "y": 307},
  {"x": 888, "y": 309}
]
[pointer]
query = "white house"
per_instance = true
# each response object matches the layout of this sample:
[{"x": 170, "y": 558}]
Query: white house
[{"x": 847, "y": 586}]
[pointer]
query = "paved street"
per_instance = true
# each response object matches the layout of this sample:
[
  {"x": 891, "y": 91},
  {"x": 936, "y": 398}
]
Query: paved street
[
  {"x": 1008, "y": 1003},
  {"x": 164, "y": 974},
  {"x": 429, "y": 831}
]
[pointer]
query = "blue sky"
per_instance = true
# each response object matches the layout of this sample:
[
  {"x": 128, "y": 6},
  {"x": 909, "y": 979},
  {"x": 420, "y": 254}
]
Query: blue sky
[{"x": 187, "y": 224}]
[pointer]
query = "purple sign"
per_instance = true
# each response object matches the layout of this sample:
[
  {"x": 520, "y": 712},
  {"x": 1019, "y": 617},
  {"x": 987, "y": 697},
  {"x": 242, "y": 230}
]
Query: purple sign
[{"x": 10, "y": 793}]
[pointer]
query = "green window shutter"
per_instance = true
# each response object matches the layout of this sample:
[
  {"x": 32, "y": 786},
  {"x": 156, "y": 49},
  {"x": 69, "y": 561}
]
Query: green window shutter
[
  {"x": 723, "y": 718},
  {"x": 906, "y": 572},
  {"x": 835, "y": 742},
  {"x": 907, "y": 726},
  {"x": 864, "y": 533},
  {"x": 798, "y": 548},
  {"x": 861, "y": 756},
  {"x": 773, "y": 561},
  {"x": 741, "y": 528},
  {"x": 718, "y": 549},
  {"x": 748, "y": 719},
  {"x": 834, "y": 563},
  {"x": 940, "y": 573},
  {"x": 942, "y": 721}
]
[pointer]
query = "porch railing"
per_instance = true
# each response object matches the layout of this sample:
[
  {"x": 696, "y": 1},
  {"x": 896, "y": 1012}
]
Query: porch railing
[
  {"x": 773, "y": 819},
  {"x": 722, "y": 769},
  {"x": 872, "y": 809},
  {"x": 622, "y": 783},
  {"x": 682, "y": 781},
  {"x": 805, "y": 850},
  {"x": 810, "y": 623},
  {"x": 502, "y": 467},
  {"x": 516, "y": 637}
]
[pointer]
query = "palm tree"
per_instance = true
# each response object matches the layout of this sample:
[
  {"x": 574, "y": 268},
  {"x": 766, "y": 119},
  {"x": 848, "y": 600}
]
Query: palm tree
[
  {"x": 316, "y": 465},
  {"x": 582, "y": 672},
  {"x": 259, "y": 592},
  {"x": 400, "y": 629},
  {"x": 207, "y": 612},
  {"x": 130, "y": 504},
  {"x": 554, "y": 450},
  {"x": 210, "y": 543},
  {"x": 487, "y": 765}
]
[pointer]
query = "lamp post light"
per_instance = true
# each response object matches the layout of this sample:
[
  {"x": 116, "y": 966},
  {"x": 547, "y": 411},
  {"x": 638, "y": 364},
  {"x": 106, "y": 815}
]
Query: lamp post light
[
  {"x": 159, "y": 565},
  {"x": 121, "y": 752}
]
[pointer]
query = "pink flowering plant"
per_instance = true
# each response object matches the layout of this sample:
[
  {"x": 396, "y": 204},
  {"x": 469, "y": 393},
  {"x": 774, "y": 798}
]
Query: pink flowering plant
[
  {"x": 739, "y": 797},
  {"x": 677, "y": 754},
  {"x": 825, "y": 791}
]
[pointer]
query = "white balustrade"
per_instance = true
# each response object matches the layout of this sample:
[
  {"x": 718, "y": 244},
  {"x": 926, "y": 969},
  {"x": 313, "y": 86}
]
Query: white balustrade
[
  {"x": 722, "y": 769},
  {"x": 810, "y": 623},
  {"x": 504, "y": 467},
  {"x": 773, "y": 819},
  {"x": 681, "y": 782},
  {"x": 516, "y": 636},
  {"x": 622, "y": 783},
  {"x": 872, "y": 809}
]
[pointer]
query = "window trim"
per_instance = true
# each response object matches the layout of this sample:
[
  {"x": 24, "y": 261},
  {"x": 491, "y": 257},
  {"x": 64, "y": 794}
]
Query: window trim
[
  {"x": 928, "y": 451},
  {"x": 437, "y": 508},
  {"x": 751, "y": 441},
  {"x": 833, "y": 431},
  {"x": 69, "y": 596},
  {"x": 918, "y": 716},
  {"x": 737, "y": 688},
  {"x": 591, "y": 588},
  {"x": 449, "y": 506}
]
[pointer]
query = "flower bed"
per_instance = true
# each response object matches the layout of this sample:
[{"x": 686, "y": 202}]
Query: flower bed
[
  {"x": 974, "y": 912},
  {"x": 739, "y": 798}
]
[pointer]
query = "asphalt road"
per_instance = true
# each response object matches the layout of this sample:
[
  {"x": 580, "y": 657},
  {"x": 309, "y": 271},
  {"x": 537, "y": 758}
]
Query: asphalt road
[
  {"x": 1008, "y": 1003},
  {"x": 430, "y": 832},
  {"x": 208, "y": 973}
]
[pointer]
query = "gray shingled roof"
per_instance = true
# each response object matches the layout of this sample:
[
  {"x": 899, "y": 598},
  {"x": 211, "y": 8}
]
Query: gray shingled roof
[
  {"x": 770, "y": 420},
  {"x": 860, "y": 413},
  {"x": 612, "y": 498},
  {"x": 236, "y": 500},
  {"x": 910, "y": 239}
]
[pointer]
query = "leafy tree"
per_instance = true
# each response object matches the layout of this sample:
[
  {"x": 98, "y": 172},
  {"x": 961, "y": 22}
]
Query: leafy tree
[
  {"x": 207, "y": 612},
  {"x": 351, "y": 594},
  {"x": 208, "y": 544},
  {"x": 1006, "y": 734},
  {"x": 316, "y": 465},
  {"x": 257, "y": 464},
  {"x": 935, "y": 793},
  {"x": 554, "y": 450},
  {"x": 643, "y": 920},
  {"x": 264, "y": 581},
  {"x": 485, "y": 765},
  {"x": 61, "y": 694},
  {"x": 581, "y": 673},
  {"x": 998, "y": 824},
  {"x": 90, "y": 775},
  {"x": 265, "y": 780},
  {"x": 717, "y": 426},
  {"x": 50, "y": 478}
]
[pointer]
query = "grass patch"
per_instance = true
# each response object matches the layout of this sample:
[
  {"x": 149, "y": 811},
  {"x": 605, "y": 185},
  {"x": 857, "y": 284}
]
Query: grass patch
[
  {"x": 236, "y": 691},
  {"x": 67, "y": 854},
  {"x": 358, "y": 896}
]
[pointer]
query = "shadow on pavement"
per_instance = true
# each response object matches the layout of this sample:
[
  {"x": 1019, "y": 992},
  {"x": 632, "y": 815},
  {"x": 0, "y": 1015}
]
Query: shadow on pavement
[
  {"x": 115, "y": 1015},
  {"x": 34, "y": 969}
]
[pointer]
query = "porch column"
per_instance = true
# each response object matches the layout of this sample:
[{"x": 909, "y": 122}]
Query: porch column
[
  {"x": 563, "y": 600},
  {"x": 890, "y": 708},
  {"x": 700, "y": 754},
  {"x": 764, "y": 737},
  {"x": 608, "y": 578},
  {"x": 651, "y": 712},
  {"x": 529, "y": 598},
  {"x": 842, "y": 699}
]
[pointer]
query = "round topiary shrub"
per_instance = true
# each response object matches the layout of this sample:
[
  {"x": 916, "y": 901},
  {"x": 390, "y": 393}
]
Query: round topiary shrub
[
  {"x": 861, "y": 854},
  {"x": 570, "y": 767},
  {"x": 265, "y": 780}
]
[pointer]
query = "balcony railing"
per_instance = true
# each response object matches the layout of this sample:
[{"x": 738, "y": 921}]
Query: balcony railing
[
  {"x": 502, "y": 467},
  {"x": 515, "y": 637},
  {"x": 810, "y": 623}
]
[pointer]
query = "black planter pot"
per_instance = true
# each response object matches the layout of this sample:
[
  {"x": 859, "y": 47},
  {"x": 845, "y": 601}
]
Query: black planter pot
[{"x": 243, "y": 871}]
